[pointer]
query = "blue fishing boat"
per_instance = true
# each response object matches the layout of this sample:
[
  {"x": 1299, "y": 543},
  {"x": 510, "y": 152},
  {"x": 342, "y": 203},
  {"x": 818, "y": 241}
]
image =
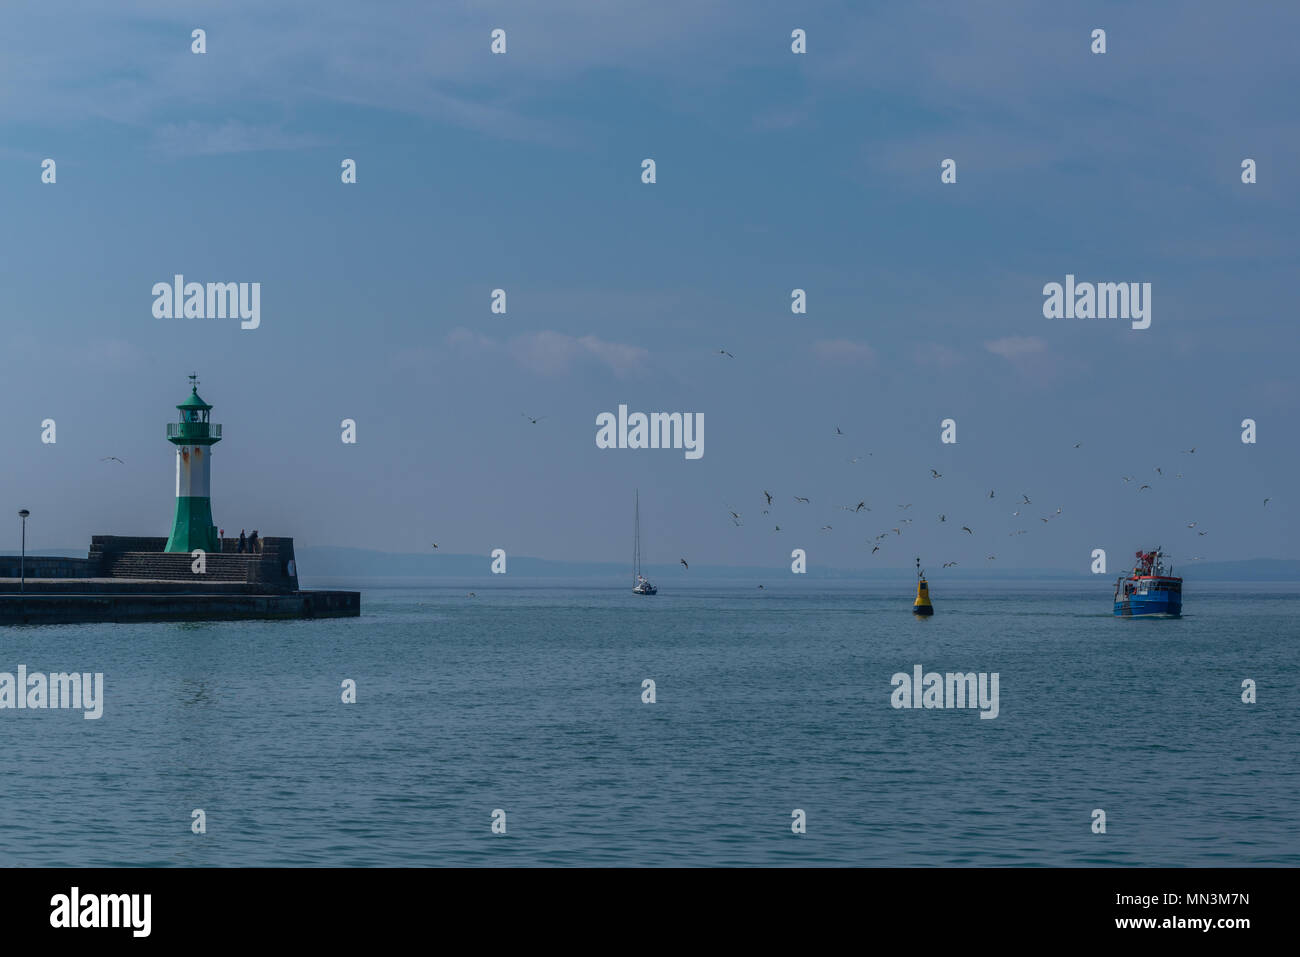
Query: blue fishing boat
[{"x": 1150, "y": 590}]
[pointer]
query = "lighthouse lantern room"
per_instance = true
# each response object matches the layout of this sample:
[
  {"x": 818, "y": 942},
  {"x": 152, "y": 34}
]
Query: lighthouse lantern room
[{"x": 193, "y": 437}]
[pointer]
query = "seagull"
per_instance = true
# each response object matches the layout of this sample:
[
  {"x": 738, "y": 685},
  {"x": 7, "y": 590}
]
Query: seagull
[
  {"x": 1191, "y": 451},
  {"x": 860, "y": 506},
  {"x": 1191, "y": 524},
  {"x": 967, "y": 530},
  {"x": 684, "y": 565},
  {"x": 768, "y": 495},
  {"x": 1202, "y": 533},
  {"x": 949, "y": 564},
  {"x": 943, "y": 518},
  {"x": 1141, "y": 487},
  {"x": 1015, "y": 513},
  {"x": 760, "y": 586},
  {"x": 735, "y": 515},
  {"x": 1026, "y": 499},
  {"x": 876, "y": 549},
  {"x": 766, "y": 511},
  {"x": 990, "y": 493},
  {"x": 826, "y": 528},
  {"x": 112, "y": 458},
  {"x": 1023, "y": 531},
  {"x": 1078, "y": 445},
  {"x": 470, "y": 595},
  {"x": 1160, "y": 471},
  {"x": 1266, "y": 501},
  {"x": 935, "y": 474},
  {"x": 1127, "y": 478},
  {"x": 1179, "y": 475},
  {"x": 1058, "y": 510},
  {"x": 896, "y": 531},
  {"x": 435, "y": 544},
  {"x": 1042, "y": 520},
  {"x": 799, "y": 499},
  {"x": 905, "y": 507},
  {"x": 992, "y": 558},
  {"x": 777, "y": 529},
  {"x": 532, "y": 419},
  {"x": 724, "y": 352},
  {"x": 837, "y": 430}
]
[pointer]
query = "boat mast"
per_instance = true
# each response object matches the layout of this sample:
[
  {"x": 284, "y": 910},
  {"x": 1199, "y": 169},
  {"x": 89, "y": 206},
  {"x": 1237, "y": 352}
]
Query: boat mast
[{"x": 636, "y": 541}]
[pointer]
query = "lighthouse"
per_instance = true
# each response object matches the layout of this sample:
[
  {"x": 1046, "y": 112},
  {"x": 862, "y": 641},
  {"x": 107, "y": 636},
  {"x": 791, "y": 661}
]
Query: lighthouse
[{"x": 193, "y": 437}]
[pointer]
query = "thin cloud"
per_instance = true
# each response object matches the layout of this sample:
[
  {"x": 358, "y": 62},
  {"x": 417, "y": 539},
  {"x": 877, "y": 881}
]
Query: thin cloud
[
  {"x": 1016, "y": 347},
  {"x": 553, "y": 353},
  {"x": 843, "y": 352}
]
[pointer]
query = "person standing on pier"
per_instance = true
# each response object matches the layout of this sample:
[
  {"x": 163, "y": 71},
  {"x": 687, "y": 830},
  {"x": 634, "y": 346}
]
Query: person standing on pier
[{"x": 243, "y": 542}]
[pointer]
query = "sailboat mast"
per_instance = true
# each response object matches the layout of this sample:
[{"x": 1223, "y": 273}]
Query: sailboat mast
[{"x": 636, "y": 540}]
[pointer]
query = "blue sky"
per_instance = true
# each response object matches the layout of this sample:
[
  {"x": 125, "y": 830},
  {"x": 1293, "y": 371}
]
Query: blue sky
[{"x": 775, "y": 171}]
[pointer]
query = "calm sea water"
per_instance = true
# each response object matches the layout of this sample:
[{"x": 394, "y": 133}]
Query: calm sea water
[{"x": 528, "y": 699}]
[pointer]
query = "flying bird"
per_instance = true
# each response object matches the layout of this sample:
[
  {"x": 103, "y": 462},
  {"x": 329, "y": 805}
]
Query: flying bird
[
  {"x": 112, "y": 458},
  {"x": 896, "y": 531},
  {"x": 1127, "y": 478},
  {"x": 935, "y": 474},
  {"x": 860, "y": 506},
  {"x": 992, "y": 558},
  {"x": 1141, "y": 487},
  {"x": 724, "y": 352},
  {"x": 532, "y": 419},
  {"x": 905, "y": 507},
  {"x": 768, "y": 496},
  {"x": 1191, "y": 451},
  {"x": 826, "y": 528},
  {"x": 990, "y": 493},
  {"x": 777, "y": 529},
  {"x": 837, "y": 430},
  {"x": 1202, "y": 533},
  {"x": 876, "y": 549},
  {"x": 1026, "y": 499},
  {"x": 684, "y": 565},
  {"x": 435, "y": 544},
  {"x": 1191, "y": 524},
  {"x": 943, "y": 518},
  {"x": 967, "y": 530},
  {"x": 1078, "y": 445},
  {"x": 800, "y": 499},
  {"x": 949, "y": 564},
  {"x": 1160, "y": 471},
  {"x": 1266, "y": 501},
  {"x": 735, "y": 515}
]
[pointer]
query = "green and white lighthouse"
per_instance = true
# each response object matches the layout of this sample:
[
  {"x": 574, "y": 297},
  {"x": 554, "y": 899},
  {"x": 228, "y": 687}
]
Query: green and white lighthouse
[{"x": 193, "y": 437}]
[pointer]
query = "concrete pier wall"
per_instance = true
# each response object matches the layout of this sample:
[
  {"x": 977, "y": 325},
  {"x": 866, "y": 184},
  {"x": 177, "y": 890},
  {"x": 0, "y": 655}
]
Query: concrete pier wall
[{"x": 44, "y": 609}]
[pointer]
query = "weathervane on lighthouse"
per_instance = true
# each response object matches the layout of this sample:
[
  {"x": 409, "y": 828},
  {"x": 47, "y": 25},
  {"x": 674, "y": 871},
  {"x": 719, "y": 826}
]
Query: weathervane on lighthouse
[{"x": 193, "y": 437}]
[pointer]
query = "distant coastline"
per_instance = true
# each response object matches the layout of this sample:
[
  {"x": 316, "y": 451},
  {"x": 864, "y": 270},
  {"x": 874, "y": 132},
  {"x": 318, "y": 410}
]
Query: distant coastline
[{"x": 330, "y": 561}]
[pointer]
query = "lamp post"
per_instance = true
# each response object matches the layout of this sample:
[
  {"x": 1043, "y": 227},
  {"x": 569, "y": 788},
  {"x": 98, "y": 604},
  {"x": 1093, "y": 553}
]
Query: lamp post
[{"x": 22, "y": 561}]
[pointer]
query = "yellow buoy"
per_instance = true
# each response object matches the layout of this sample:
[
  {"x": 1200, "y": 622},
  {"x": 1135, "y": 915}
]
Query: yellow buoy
[{"x": 922, "y": 604}]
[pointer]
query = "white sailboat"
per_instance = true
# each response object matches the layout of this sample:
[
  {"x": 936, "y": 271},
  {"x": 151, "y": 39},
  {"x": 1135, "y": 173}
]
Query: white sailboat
[{"x": 640, "y": 584}]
